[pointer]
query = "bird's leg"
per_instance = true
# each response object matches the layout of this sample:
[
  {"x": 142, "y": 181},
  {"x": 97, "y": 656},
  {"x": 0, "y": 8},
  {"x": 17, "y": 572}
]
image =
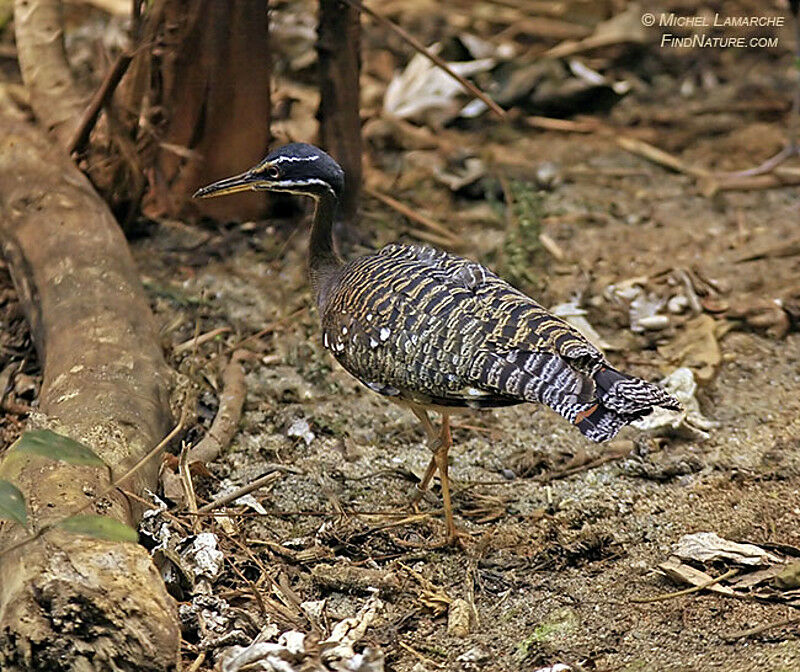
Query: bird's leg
[
  {"x": 439, "y": 443},
  {"x": 433, "y": 444},
  {"x": 440, "y": 456},
  {"x": 421, "y": 487}
]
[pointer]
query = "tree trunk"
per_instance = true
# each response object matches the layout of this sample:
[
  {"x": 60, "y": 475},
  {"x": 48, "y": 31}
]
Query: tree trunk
[
  {"x": 70, "y": 602},
  {"x": 209, "y": 83},
  {"x": 338, "y": 48}
]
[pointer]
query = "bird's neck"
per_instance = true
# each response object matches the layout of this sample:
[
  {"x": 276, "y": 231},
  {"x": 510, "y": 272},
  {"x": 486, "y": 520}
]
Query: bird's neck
[{"x": 324, "y": 262}]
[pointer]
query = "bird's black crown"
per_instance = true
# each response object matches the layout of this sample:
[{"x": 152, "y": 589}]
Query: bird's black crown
[
  {"x": 297, "y": 168},
  {"x": 302, "y": 167}
]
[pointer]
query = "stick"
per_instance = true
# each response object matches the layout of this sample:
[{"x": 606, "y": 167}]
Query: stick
[
  {"x": 186, "y": 479},
  {"x": 422, "y": 49},
  {"x": 230, "y": 411},
  {"x": 404, "y": 210},
  {"x": 425, "y": 660},
  {"x": 428, "y": 237},
  {"x": 99, "y": 100},
  {"x": 565, "y": 125},
  {"x": 757, "y": 630},
  {"x": 659, "y": 156},
  {"x": 199, "y": 340},
  {"x": 779, "y": 177},
  {"x": 240, "y": 492},
  {"x": 686, "y": 591}
]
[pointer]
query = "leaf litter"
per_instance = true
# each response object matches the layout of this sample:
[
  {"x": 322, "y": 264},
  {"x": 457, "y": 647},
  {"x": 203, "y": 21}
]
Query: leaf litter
[{"x": 295, "y": 570}]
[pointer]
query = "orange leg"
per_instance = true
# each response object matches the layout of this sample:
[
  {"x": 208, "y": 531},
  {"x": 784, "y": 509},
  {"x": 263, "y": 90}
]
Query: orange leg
[
  {"x": 433, "y": 444},
  {"x": 440, "y": 456},
  {"x": 422, "y": 486},
  {"x": 439, "y": 443}
]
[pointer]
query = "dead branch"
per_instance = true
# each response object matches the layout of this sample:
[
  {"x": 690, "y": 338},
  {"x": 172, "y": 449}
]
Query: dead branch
[
  {"x": 230, "y": 411},
  {"x": 100, "y": 98},
  {"x": 105, "y": 384},
  {"x": 55, "y": 97},
  {"x": 685, "y": 591}
]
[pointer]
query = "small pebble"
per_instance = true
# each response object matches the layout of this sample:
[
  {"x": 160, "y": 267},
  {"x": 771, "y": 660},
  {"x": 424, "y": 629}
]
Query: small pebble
[
  {"x": 474, "y": 655},
  {"x": 508, "y": 474},
  {"x": 654, "y": 322},
  {"x": 548, "y": 175},
  {"x": 677, "y": 304}
]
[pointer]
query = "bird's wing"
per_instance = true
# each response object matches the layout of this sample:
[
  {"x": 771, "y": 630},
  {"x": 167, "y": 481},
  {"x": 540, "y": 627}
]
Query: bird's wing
[{"x": 422, "y": 324}]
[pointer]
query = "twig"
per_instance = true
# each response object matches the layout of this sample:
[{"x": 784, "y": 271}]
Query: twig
[
  {"x": 779, "y": 177},
  {"x": 272, "y": 326},
  {"x": 240, "y": 492},
  {"x": 579, "y": 468},
  {"x": 422, "y": 49},
  {"x": 155, "y": 451},
  {"x": 186, "y": 479},
  {"x": 100, "y": 98},
  {"x": 404, "y": 210},
  {"x": 428, "y": 237},
  {"x": 659, "y": 156},
  {"x": 201, "y": 658},
  {"x": 757, "y": 630},
  {"x": 565, "y": 125},
  {"x": 686, "y": 591},
  {"x": 196, "y": 341},
  {"x": 552, "y": 247},
  {"x": 417, "y": 654},
  {"x": 148, "y": 504},
  {"x": 230, "y": 411}
]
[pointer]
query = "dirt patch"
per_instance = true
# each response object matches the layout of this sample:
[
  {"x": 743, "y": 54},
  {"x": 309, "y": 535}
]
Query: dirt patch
[{"x": 555, "y": 561}]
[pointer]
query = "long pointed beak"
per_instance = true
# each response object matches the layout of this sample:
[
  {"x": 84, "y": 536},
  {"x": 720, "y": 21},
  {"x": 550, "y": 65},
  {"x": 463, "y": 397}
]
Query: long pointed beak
[{"x": 230, "y": 185}]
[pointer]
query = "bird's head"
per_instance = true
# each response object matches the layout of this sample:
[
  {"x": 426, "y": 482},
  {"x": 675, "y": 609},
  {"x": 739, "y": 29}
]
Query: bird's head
[{"x": 297, "y": 168}]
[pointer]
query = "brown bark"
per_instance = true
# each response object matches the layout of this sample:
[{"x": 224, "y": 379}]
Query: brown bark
[
  {"x": 338, "y": 48},
  {"x": 70, "y": 602},
  {"x": 55, "y": 97},
  {"x": 211, "y": 81}
]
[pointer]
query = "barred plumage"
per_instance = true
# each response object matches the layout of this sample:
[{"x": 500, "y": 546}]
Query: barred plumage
[{"x": 437, "y": 331}]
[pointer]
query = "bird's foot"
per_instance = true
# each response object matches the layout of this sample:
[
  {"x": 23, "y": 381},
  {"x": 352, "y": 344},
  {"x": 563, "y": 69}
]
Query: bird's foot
[
  {"x": 417, "y": 495},
  {"x": 455, "y": 539}
]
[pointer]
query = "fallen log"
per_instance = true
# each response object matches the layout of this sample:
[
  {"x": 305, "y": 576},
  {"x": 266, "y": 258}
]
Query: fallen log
[{"x": 71, "y": 602}]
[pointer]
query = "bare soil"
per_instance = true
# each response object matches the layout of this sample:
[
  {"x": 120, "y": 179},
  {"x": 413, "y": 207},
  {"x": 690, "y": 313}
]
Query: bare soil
[
  {"x": 555, "y": 560},
  {"x": 554, "y": 563}
]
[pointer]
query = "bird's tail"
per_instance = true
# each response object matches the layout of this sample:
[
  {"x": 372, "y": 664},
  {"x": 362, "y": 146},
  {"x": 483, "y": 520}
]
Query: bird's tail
[{"x": 621, "y": 399}]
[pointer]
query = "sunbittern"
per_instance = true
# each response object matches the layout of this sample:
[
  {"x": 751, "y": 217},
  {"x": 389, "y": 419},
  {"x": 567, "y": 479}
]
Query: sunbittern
[{"x": 437, "y": 332}]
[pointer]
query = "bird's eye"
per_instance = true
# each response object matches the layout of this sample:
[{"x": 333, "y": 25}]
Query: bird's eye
[{"x": 273, "y": 172}]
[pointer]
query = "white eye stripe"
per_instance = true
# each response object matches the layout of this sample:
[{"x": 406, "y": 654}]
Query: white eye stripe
[
  {"x": 290, "y": 159},
  {"x": 289, "y": 185}
]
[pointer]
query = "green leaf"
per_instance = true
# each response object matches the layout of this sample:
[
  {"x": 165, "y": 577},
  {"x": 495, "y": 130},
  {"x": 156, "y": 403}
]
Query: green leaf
[
  {"x": 12, "y": 503},
  {"x": 45, "y": 443},
  {"x": 100, "y": 527}
]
